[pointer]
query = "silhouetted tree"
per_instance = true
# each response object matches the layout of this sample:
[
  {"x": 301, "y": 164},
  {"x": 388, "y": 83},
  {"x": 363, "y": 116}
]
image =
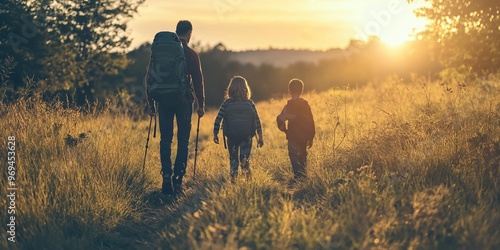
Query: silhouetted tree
[
  {"x": 466, "y": 34},
  {"x": 67, "y": 44}
]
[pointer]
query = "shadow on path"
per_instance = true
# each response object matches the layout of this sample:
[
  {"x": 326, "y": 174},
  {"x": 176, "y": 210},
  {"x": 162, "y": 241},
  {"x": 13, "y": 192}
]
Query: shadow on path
[{"x": 159, "y": 211}]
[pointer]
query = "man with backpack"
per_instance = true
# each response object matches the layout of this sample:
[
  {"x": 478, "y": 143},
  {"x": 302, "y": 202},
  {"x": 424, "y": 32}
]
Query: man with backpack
[{"x": 174, "y": 72}]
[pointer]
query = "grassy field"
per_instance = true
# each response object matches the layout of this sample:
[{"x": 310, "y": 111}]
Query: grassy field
[{"x": 394, "y": 166}]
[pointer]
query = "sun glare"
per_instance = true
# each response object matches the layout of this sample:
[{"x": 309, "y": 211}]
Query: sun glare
[
  {"x": 402, "y": 30},
  {"x": 394, "y": 23},
  {"x": 396, "y": 37}
]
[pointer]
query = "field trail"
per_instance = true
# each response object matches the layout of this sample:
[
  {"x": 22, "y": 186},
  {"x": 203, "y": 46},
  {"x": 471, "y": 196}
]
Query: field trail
[{"x": 162, "y": 212}]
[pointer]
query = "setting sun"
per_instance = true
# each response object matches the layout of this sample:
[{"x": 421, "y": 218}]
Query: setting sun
[
  {"x": 397, "y": 35},
  {"x": 394, "y": 22}
]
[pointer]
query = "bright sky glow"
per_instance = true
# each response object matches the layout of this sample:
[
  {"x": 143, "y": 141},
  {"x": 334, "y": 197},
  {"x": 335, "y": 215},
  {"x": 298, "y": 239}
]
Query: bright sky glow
[{"x": 291, "y": 24}]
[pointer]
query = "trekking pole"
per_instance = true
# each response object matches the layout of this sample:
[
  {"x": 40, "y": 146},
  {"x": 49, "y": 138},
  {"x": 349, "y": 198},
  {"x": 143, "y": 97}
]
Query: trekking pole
[
  {"x": 196, "y": 148},
  {"x": 156, "y": 112},
  {"x": 154, "y": 133},
  {"x": 147, "y": 142}
]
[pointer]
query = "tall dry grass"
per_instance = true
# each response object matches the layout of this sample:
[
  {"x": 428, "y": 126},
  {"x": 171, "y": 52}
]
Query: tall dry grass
[
  {"x": 394, "y": 165},
  {"x": 79, "y": 174}
]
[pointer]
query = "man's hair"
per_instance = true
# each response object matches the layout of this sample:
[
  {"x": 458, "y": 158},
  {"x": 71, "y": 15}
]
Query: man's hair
[
  {"x": 296, "y": 86},
  {"x": 183, "y": 27},
  {"x": 238, "y": 88}
]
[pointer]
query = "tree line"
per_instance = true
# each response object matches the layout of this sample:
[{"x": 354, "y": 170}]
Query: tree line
[{"x": 359, "y": 64}]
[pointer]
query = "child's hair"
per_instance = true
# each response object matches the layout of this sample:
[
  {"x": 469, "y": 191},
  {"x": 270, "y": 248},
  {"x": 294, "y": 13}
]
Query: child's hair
[
  {"x": 296, "y": 86},
  {"x": 238, "y": 88}
]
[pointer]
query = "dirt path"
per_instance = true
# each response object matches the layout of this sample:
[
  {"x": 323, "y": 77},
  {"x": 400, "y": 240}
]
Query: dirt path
[{"x": 159, "y": 212}]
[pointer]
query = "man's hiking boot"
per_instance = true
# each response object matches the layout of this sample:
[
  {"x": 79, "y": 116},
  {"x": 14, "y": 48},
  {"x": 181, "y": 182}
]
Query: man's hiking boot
[
  {"x": 166, "y": 187},
  {"x": 177, "y": 181},
  {"x": 178, "y": 189}
]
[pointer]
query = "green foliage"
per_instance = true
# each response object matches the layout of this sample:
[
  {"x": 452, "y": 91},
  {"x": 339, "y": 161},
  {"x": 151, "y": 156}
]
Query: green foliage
[
  {"x": 69, "y": 44},
  {"x": 466, "y": 34},
  {"x": 6, "y": 67}
]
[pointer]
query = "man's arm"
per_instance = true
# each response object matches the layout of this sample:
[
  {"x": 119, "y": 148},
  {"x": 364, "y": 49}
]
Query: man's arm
[{"x": 197, "y": 76}]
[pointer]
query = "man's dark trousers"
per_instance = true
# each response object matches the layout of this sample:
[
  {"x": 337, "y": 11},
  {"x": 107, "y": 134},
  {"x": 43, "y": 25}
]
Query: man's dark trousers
[{"x": 182, "y": 114}]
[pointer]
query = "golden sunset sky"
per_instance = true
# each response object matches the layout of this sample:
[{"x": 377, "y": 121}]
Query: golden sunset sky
[{"x": 291, "y": 24}]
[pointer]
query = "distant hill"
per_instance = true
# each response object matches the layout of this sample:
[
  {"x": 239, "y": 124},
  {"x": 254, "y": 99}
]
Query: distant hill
[{"x": 283, "y": 57}]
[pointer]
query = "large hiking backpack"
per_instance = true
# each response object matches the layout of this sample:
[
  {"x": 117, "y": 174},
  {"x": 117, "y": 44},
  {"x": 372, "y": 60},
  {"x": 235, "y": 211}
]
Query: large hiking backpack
[
  {"x": 167, "y": 74},
  {"x": 239, "y": 119}
]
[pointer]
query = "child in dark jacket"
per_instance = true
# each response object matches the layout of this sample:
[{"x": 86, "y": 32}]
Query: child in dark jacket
[
  {"x": 300, "y": 129},
  {"x": 240, "y": 124}
]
